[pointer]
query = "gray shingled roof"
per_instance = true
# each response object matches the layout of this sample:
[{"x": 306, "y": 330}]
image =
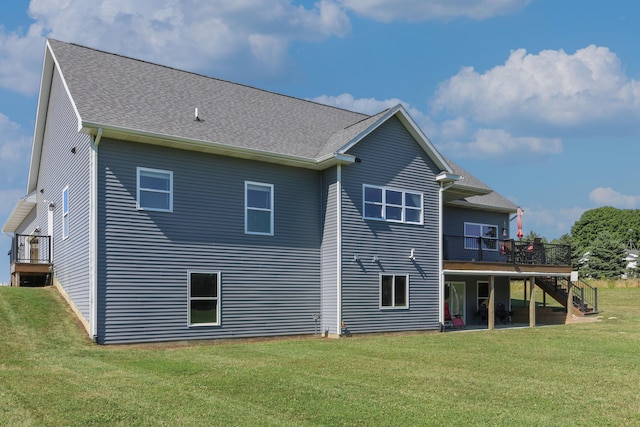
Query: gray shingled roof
[
  {"x": 486, "y": 197},
  {"x": 120, "y": 92}
]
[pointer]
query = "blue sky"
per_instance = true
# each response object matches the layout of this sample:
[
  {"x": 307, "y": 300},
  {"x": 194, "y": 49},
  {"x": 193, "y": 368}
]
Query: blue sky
[{"x": 538, "y": 98}]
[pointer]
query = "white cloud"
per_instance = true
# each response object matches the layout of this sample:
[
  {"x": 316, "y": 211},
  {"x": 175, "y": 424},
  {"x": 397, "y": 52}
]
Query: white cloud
[
  {"x": 8, "y": 200},
  {"x": 550, "y": 223},
  {"x": 187, "y": 34},
  {"x": 565, "y": 92},
  {"x": 421, "y": 10},
  {"x": 20, "y": 59},
  {"x": 495, "y": 143},
  {"x": 609, "y": 197},
  {"x": 370, "y": 105},
  {"x": 15, "y": 146}
]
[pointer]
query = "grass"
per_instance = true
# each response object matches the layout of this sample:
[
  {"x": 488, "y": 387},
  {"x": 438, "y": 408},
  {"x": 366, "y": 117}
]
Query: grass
[{"x": 51, "y": 374}]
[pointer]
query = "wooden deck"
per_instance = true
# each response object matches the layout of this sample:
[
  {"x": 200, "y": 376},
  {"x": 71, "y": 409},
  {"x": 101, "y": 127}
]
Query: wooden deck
[
  {"x": 516, "y": 269},
  {"x": 23, "y": 271}
]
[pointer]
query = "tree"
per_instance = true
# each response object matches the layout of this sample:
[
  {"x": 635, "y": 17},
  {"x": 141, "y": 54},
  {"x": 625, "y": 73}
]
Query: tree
[
  {"x": 606, "y": 257},
  {"x": 533, "y": 235},
  {"x": 618, "y": 222}
]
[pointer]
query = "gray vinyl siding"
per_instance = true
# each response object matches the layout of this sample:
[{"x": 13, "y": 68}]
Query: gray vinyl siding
[
  {"x": 453, "y": 225},
  {"x": 329, "y": 255},
  {"x": 389, "y": 157},
  {"x": 60, "y": 168},
  {"x": 270, "y": 285}
]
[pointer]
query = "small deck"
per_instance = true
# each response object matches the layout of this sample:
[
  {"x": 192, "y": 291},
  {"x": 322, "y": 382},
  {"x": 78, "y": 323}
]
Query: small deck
[
  {"x": 30, "y": 257},
  {"x": 505, "y": 255}
]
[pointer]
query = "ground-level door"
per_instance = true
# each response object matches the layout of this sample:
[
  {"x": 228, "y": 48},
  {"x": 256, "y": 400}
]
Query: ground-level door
[{"x": 454, "y": 298}]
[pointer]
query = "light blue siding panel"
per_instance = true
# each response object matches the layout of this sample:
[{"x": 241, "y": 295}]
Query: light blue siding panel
[
  {"x": 270, "y": 284},
  {"x": 453, "y": 225},
  {"x": 329, "y": 253},
  {"x": 59, "y": 168},
  {"x": 389, "y": 157}
]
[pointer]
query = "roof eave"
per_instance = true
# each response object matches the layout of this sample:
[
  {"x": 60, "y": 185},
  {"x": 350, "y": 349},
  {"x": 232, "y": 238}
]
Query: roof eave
[
  {"x": 469, "y": 205},
  {"x": 145, "y": 137},
  {"x": 402, "y": 114},
  {"x": 22, "y": 209},
  {"x": 49, "y": 64}
]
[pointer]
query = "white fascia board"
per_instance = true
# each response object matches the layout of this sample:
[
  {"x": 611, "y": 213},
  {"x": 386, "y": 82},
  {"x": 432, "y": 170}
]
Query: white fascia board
[
  {"x": 49, "y": 65},
  {"x": 22, "y": 209},
  {"x": 41, "y": 118},
  {"x": 446, "y": 177},
  {"x": 413, "y": 129}
]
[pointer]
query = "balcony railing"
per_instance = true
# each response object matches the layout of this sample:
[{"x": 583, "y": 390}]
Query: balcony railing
[
  {"x": 30, "y": 249},
  {"x": 508, "y": 251}
]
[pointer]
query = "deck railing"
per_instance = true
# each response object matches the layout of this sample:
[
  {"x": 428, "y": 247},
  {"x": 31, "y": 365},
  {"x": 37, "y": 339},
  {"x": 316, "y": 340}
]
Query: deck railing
[
  {"x": 585, "y": 296},
  {"x": 30, "y": 249},
  {"x": 508, "y": 251}
]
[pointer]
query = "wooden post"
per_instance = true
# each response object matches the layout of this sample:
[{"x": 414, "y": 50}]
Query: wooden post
[
  {"x": 491, "y": 317},
  {"x": 532, "y": 302},
  {"x": 569, "y": 302}
]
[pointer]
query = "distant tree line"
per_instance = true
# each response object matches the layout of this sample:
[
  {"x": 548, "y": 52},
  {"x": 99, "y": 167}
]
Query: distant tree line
[{"x": 599, "y": 241}]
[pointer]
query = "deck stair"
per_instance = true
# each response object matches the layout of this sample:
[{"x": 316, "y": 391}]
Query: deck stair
[{"x": 585, "y": 297}]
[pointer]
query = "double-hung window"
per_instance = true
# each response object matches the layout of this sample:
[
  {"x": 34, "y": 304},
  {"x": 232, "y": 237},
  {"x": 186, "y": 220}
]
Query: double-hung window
[
  {"x": 394, "y": 291},
  {"x": 204, "y": 298},
  {"x": 478, "y": 236},
  {"x": 258, "y": 203},
  {"x": 388, "y": 204},
  {"x": 65, "y": 213},
  {"x": 155, "y": 190}
]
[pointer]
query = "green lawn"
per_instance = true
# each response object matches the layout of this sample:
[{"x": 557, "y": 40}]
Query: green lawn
[{"x": 51, "y": 374}]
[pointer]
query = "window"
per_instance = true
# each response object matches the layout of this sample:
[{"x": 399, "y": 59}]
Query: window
[
  {"x": 204, "y": 298},
  {"x": 394, "y": 291},
  {"x": 476, "y": 233},
  {"x": 258, "y": 202},
  {"x": 483, "y": 294},
  {"x": 387, "y": 204},
  {"x": 155, "y": 190},
  {"x": 65, "y": 213}
]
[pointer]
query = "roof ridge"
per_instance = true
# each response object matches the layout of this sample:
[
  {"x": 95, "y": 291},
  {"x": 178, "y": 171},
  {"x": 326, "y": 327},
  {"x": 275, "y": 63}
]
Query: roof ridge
[{"x": 211, "y": 77}]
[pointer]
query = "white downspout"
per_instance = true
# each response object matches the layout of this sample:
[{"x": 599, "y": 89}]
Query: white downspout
[
  {"x": 339, "y": 247},
  {"x": 93, "y": 237},
  {"x": 441, "y": 261},
  {"x": 50, "y": 208},
  {"x": 444, "y": 185}
]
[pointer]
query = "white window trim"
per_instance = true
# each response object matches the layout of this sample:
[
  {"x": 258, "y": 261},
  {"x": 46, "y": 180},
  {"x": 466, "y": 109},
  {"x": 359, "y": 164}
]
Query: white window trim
[
  {"x": 65, "y": 214},
  {"x": 393, "y": 294},
  {"x": 488, "y": 238},
  {"x": 384, "y": 204},
  {"x": 270, "y": 209},
  {"x": 190, "y": 298},
  {"x": 170, "y": 192}
]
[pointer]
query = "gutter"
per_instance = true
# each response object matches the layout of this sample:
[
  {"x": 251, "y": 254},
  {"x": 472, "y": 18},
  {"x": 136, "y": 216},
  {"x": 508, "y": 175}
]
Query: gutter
[
  {"x": 145, "y": 137},
  {"x": 339, "y": 249},
  {"x": 93, "y": 237}
]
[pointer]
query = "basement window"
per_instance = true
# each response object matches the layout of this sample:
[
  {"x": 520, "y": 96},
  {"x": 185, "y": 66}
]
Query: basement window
[{"x": 204, "y": 298}]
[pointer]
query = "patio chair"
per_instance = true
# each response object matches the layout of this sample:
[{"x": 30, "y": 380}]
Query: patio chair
[
  {"x": 502, "y": 314},
  {"x": 455, "y": 321},
  {"x": 483, "y": 312}
]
